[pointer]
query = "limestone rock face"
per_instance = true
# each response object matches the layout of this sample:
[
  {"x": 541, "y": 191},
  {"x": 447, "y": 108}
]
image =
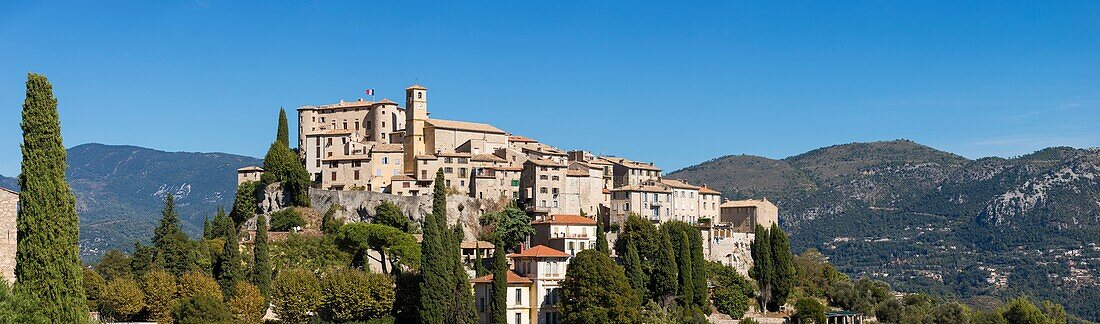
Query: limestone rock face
[{"x": 358, "y": 206}]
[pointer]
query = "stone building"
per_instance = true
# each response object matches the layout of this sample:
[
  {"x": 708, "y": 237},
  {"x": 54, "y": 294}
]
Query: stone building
[
  {"x": 249, "y": 173},
  {"x": 651, "y": 201},
  {"x": 569, "y": 233},
  {"x": 9, "y": 213},
  {"x": 728, "y": 238},
  {"x": 534, "y": 291},
  {"x": 541, "y": 183}
]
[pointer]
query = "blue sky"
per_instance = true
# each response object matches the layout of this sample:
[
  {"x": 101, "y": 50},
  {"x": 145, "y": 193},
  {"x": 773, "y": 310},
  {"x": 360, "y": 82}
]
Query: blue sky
[{"x": 672, "y": 82}]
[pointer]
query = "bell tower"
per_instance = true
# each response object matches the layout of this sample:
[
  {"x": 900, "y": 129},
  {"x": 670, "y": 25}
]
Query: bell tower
[{"x": 416, "y": 115}]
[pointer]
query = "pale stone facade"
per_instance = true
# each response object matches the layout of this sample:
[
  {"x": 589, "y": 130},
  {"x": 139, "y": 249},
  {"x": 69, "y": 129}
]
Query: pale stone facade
[
  {"x": 650, "y": 201},
  {"x": 728, "y": 238},
  {"x": 541, "y": 184},
  {"x": 569, "y": 233},
  {"x": 534, "y": 287},
  {"x": 249, "y": 173},
  {"x": 9, "y": 213}
]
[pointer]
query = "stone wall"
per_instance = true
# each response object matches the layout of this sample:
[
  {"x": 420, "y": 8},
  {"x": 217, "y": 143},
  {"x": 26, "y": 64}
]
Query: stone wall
[{"x": 9, "y": 205}]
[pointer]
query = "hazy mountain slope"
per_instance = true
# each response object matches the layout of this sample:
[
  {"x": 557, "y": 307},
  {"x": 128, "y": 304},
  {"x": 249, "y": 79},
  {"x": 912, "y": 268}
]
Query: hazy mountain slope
[
  {"x": 120, "y": 190},
  {"x": 924, "y": 219},
  {"x": 9, "y": 183}
]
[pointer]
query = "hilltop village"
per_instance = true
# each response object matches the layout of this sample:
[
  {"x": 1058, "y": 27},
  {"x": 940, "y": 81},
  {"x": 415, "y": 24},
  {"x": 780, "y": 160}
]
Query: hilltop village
[{"x": 381, "y": 147}]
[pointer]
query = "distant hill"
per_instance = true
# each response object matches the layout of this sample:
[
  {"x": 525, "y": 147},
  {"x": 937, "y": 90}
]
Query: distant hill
[
  {"x": 120, "y": 190},
  {"x": 928, "y": 220},
  {"x": 9, "y": 183}
]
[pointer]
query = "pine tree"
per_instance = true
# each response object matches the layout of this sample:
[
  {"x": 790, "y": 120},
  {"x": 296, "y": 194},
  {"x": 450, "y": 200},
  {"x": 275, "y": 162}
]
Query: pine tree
[
  {"x": 499, "y": 304},
  {"x": 228, "y": 269},
  {"x": 663, "y": 281},
  {"x": 436, "y": 287},
  {"x": 782, "y": 267},
  {"x": 47, "y": 256},
  {"x": 601, "y": 239},
  {"x": 761, "y": 269},
  {"x": 632, "y": 263},
  {"x": 261, "y": 268},
  {"x": 283, "y": 134},
  {"x": 222, "y": 224},
  {"x": 683, "y": 261},
  {"x": 173, "y": 250}
]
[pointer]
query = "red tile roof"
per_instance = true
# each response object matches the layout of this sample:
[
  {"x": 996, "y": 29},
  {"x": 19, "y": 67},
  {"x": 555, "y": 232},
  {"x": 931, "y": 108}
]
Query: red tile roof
[
  {"x": 540, "y": 251},
  {"x": 566, "y": 220},
  {"x": 512, "y": 278},
  {"x": 708, "y": 191}
]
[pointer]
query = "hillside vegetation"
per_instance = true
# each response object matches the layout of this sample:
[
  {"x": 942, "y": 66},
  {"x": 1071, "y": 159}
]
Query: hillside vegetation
[{"x": 928, "y": 220}]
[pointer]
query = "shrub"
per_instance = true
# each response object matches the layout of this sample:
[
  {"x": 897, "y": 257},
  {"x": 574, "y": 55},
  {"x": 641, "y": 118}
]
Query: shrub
[
  {"x": 19, "y": 307},
  {"x": 730, "y": 301},
  {"x": 809, "y": 310},
  {"x": 194, "y": 284},
  {"x": 353, "y": 295},
  {"x": 295, "y": 294},
  {"x": 122, "y": 298},
  {"x": 286, "y": 219},
  {"x": 201, "y": 310},
  {"x": 247, "y": 304}
]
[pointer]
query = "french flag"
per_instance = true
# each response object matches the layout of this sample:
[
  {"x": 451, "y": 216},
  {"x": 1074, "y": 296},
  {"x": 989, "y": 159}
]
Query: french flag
[{"x": 370, "y": 92}]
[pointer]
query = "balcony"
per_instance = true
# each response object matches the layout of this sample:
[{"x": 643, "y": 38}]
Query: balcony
[{"x": 560, "y": 235}]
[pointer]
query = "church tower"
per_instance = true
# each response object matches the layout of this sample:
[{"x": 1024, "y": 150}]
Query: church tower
[{"x": 416, "y": 115}]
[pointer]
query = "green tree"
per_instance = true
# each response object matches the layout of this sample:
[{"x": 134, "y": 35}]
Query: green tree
[
  {"x": 261, "y": 265},
  {"x": 406, "y": 308},
  {"x": 354, "y": 295},
  {"x": 286, "y": 220},
  {"x": 730, "y": 301},
  {"x": 283, "y": 135},
  {"x": 951, "y": 313},
  {"x": 1055, "y": 313},
  {"x": 889, "y": 311},
  {"x": 122, "y": 299},
  {"x": 222, "y": 224},
  {"x": 513, "y": 226},
  {"x": 245, "y": 205},
  {"x": 499, "y": 304},
  {"x": 632, "y": 264},
  {"x": 309, "y": 252},
  {"x": 437, "y": 301},
  {"x": 387, "y": 213},
  {"x": 159, "y": 288},
  {"x": 202, "y": 310},
  {"x": 698, "y": 268},
  {"x": 47, "y": 254},
  {"x": 1022, "y": 311},
  {"x": 207, "y": 228},
  {"x": 194, "y": 284},
  {"x": 731, "y": 290},
  {"x": 114, "y": 264},
  {"x": 761, "y": 270},
  {"x": 595, "y": 290},
  {"x": 809, "y": 310},
  {"x": 295, "y": 294},
  {"x": 395, "y": 248},
  {"x": 229, "y": 269},
  {"x": 601, "y": 238},
  {"x": 144, "y": 259},
  {"x": 683, "y": 261},
  {"x": 19, "y": 308},
  {"x": 663, "y": 280},
  {"x": 247, "y": 304},
  {"x": 172, "y": 248},
  {"x": 783, "y": 275},
  {"x": 282, "y": 165},
  {"x": 93, "y": 288}
]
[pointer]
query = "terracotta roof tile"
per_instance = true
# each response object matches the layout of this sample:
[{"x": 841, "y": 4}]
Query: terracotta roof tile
[
  {"x": 512, "y": 278},
  {"x": 566, "y": 220},
  {"x": 708, "y": 191},
  {"x": 467, "y": 126},
  {"x": 540, "y": 251}
]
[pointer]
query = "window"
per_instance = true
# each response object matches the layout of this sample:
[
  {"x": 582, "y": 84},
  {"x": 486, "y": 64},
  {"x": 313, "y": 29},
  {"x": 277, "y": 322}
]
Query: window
[
  {"x": 519, "y": 296},
  {"x": 333, "y": 175},
  {"x": 555, "y": 178},
  {"x": 357, "y": 124},
  {"x": 542, "y": 190},
  {"x": 542, "y": 177},
  {"x": 515, "y": 183},
  {"x": 397, "y": 161},
  {"x": 356, "y": 174},
  {"x": 448, "y": 170},
  {"x": 383, "y": 124},
  {"x": 481, "y": 304},
  {"x": 405, "y": 184},
  {"x": 385, "y": 160},
  {"x": 519, "y": 318},
  {"x": 356, "y": 164}
]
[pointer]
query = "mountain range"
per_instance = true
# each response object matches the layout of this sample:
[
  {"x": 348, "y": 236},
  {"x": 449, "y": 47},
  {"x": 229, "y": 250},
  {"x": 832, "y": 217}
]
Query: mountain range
[
  {"x": 120, "y": 191},
  {"x": 927, "y": 220},
  {"x": 921, "y": 219}
]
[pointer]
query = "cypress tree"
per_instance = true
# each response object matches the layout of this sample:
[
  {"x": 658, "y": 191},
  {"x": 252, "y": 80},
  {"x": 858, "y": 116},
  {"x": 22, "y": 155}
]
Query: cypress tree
[
  {"x": 47, "y": 256},
  {"x": 437, "y": 282},
  {"x": 499, "y": 304},
  {"x": 222, "y": 224},
  {"x": 687, "y": 284},
  {"x": 479, "y": 266},
  {"x": 464, "y": 311},
  {"x": 663, "y": 282},
  {"x": 761, "y": 269},
  {"x": 207, "y": 230},
  {"x": 282, "y": 165},
  {"x": 782, "y": 267},
  {"x": 261, "y": 269},
  {"x": 228, "y": 269},
  {"x": 601, "y": 239},
  {"x": 244, "y": 205},
  {"x": 698, "y": 273},
  {"x": 283, "y": 134},
  {"x": 632, "y": 263}
]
